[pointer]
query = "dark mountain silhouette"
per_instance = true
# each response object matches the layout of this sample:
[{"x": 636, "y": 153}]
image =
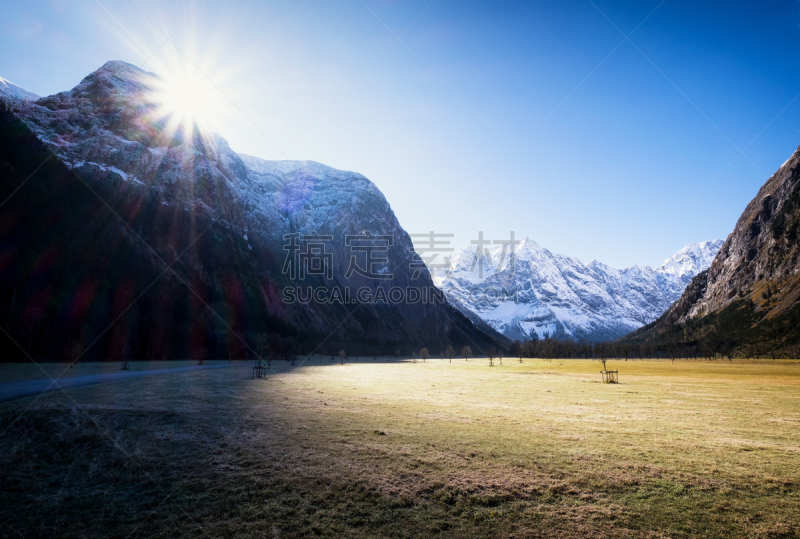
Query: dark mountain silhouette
[{"x": 120, "y": 236}]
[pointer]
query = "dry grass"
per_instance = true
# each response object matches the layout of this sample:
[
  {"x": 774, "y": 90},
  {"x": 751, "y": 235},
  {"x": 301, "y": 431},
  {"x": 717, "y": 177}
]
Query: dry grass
[{"x": 542, "y": 449}]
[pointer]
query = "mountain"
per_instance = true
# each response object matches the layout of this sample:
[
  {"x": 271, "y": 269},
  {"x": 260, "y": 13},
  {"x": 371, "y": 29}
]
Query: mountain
[
  {"x": 9, "y": 90},
  {"x": 189, "y": 248},
  {"x": 689, "y": 261},
  {"x": 748, "y": 302},
  {"x": 534, "y": 293}
]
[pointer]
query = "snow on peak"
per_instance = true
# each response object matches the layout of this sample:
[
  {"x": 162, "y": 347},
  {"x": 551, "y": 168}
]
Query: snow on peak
[
  {"x": 691, "y": 260},
  {"x": 9, "y": 89}
]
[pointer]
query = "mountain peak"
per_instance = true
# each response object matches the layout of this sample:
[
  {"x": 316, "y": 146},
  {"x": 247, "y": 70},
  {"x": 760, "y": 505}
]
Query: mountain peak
[
  {"x": 116, "y": 79},
  {"x": 692, "y": 259},
  {"x": 527, "y": 242},
  {"x": 9, "y": 89},
  {"x": 122, "y": 70}
]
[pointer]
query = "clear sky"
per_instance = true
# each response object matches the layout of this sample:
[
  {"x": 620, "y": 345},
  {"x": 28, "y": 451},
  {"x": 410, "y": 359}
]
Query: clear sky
[{"x": 536, "y": 117}]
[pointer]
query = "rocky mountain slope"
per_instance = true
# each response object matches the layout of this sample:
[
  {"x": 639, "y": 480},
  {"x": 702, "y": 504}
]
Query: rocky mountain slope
[
  {"x": 748, "y": 302},
  {"x": 187, "y": 246},
  {"x": 535, "y": 293}
]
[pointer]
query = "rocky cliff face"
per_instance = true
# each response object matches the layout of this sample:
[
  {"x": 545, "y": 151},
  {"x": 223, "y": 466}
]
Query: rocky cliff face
[
  {"x": 535, "y": 293},
  {"x": 227, "y": 231},
  {"x": 759, "y": 260},
  {"x": 748, "y": 302}
]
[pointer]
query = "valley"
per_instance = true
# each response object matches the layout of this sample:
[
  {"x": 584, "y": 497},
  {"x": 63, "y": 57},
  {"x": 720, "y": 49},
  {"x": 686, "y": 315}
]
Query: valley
[{"x": 397, "y": 448}]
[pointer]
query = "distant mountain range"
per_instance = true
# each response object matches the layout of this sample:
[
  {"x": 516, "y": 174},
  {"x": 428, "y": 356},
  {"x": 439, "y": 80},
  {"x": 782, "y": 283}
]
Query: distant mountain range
[
  {"x": 748, "y": 302},
  {"x": 124, "y": 234},
  {"x": 535, "y": 293}
]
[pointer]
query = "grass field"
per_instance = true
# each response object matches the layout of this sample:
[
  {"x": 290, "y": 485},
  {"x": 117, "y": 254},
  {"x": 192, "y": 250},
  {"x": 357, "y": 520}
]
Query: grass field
[{"x": 372, "y": 448}]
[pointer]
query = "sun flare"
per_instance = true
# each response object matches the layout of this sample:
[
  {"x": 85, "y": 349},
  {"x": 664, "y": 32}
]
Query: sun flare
[{"x": 188, "y": 101}]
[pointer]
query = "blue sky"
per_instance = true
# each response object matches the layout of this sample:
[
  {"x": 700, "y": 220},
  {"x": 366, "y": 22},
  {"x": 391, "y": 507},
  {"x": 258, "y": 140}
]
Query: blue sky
[{"x": 536, "y": 117}]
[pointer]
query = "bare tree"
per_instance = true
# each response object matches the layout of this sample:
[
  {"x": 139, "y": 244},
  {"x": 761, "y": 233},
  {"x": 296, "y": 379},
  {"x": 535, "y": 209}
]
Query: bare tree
[
  {"x": 466, "y": 351},
  {"x": 342, "y": 356},
  {"x": 608, "y": 376},
  {"x": 201, "y": 354},
  {"x": 492, "y": 353},
  {"x": 262, "y": 345},
  {"x": 424, "y": 354},
  {"x": 516, "y": 350},
  {"x": 450, "y": 352},
  {"x": 74, "y": 353},
  {"x": 125, "y": 352},
  {"x": 603, "y": 361},
  {"x": 397, "y": 353}
]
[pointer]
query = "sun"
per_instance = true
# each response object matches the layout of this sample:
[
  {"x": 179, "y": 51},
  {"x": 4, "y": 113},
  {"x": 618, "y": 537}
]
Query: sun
[{"x": 188, "y": 101}]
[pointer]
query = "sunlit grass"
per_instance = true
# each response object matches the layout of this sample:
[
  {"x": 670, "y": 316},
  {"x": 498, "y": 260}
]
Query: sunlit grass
[{"x": 690, "y": 448}]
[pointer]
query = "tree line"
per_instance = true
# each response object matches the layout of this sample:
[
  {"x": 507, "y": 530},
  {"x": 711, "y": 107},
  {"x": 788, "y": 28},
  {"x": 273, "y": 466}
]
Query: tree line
[{"x": 554, "y": 348}]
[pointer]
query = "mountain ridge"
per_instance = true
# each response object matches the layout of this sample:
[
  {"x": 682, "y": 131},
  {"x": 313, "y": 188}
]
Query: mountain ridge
[
  {"x": 536, "y": 293},
  {"x": 183, "y": 189}
]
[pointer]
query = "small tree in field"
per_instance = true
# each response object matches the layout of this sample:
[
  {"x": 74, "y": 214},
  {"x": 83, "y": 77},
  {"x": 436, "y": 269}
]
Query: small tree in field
[
  {"x": 609, "y": 377},
  {"x": 424, "y": 354},
  {"x": 397, "y": 353},
  {"x": 342, "y": 356},
  {"x": 262, "y": 345},
  {"x": 492, "y": 353},
  {"x": 516, "y": 350},
  {"x": 201, "y": 354},
  {"x": 466, "y": 351},
  {"x": 73, "y": 354},
  {"x": 449, "y": 352},
  {"x": 125, "y": 353}
]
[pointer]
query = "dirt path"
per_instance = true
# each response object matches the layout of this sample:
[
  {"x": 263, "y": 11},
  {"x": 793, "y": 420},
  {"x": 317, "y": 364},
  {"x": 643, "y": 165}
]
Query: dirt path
[{"x": 26, "y": 388}]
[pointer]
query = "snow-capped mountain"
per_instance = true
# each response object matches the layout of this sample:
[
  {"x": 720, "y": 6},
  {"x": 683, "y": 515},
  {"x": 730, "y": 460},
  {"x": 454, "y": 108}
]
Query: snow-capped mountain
[
  {"x": 10, "y": 90},
  {"x": 690, "y": 260},
  {"x": 533, "y": 292},
  {"x": 129, "y": 201}
]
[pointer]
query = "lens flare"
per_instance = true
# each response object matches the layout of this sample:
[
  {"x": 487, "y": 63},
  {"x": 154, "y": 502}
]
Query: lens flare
[{"x": 188, "y": 101}]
